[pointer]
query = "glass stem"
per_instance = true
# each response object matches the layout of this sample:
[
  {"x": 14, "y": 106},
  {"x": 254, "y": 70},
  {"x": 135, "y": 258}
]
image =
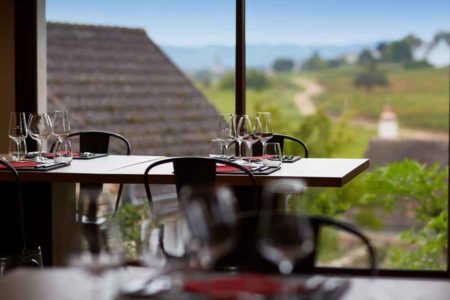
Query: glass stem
[
  {"x": 250, "y": 150},
  {"x": 19, "y": 150},
  {"x": 240, "y": 150},
  {"x": 263, "y": 148},
  {"x": 225, "y": 150},
  {"x": 39, "y": 142}
]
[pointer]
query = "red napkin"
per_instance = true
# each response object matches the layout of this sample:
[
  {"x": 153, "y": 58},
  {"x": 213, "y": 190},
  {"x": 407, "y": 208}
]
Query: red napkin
[
  {"x": 21, "y": 164},
  {"x": 224, "y": 169},
  {"x": 227, "y": 288}
]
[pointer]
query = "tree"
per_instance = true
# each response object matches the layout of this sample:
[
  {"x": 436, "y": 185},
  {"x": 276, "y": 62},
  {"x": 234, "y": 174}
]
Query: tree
[
  {"x": 365, "y": 57},
  {"x": 257, "y": 80},
  {"x": 283, "y": 65},
  {"x": 400, "y": 51},
  {"x": 370, "y": 78},
  {"x": 227, "y": 81},
  {"x": 315, "y": 62}
]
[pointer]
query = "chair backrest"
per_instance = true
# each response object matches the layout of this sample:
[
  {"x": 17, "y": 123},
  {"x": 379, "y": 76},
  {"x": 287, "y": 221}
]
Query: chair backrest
[
  {"x": 97, "y": 141},
  {"x": 249, "y": 254},
  {"x": 11, "y": 214},
  {"x": 280, "y": 138},
  {"x": 195, "y": 171}
]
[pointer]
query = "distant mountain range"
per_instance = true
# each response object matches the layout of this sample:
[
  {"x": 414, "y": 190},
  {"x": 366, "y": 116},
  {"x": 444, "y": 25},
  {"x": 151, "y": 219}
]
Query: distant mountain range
[{"x": 260, "y": 56}]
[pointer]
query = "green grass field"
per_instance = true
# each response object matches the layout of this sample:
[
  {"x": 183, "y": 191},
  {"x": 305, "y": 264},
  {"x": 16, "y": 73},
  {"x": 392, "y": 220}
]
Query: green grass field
[
  {"x": 420, "y": 97},
  {"x": 278, "y": 99}
]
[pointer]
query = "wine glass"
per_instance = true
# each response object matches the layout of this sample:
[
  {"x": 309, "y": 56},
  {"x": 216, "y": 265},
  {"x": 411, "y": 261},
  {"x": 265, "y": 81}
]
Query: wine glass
[
  {"x": 266, "y": 127},
  {"x": 211, "y": 215},
  {"x": 39, "y": 128},
  {"x": 100, "y": 248},
  {"x": 249, "y": 131},
  {"x": 273, "y": 156},
  {"x": 226, "y": 131},
  {"x": 61, "y": 129},
  {"x": 17, "y": 131},
  {"x": 61, "y": 124},
  {"x": 283, "y": 238},
  {"x": 16, "y": 154},
  {"x": 217, "y": 149}
]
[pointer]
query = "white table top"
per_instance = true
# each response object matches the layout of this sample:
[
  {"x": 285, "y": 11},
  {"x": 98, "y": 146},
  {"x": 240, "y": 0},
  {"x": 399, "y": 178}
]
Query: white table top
[{"x": 323, "y": 172}]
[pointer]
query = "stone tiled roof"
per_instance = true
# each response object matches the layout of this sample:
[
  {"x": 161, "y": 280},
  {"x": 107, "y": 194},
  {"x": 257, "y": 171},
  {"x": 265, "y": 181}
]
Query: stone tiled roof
[{"x": 117, "y": 79}]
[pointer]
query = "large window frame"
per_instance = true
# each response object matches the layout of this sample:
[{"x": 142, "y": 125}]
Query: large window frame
[{"x": 30, "y": 66}]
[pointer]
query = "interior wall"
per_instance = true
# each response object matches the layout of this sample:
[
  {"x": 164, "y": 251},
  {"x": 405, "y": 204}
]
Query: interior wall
[{"x": 7, "y": 74}]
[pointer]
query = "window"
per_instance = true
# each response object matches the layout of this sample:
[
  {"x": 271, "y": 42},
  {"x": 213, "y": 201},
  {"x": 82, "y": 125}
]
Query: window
[
  {"x": 354, "y": 81},
  {"x": 349, "y": 79}
]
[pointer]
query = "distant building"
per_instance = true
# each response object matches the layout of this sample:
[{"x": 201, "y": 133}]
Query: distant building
[
  {"x": 349, "y": 58},
  {"x": 388, "y": 124}
]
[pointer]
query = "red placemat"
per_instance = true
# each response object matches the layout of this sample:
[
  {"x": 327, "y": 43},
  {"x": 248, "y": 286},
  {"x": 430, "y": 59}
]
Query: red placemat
[
  {"x": 225, "y": 288},
  {"x": 225, "y": 169},
  {"x": 21, "y": 164}
]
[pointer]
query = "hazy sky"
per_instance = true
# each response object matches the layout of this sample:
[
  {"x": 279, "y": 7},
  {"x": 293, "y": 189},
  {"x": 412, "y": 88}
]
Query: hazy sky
[{"x": 307, "y": 22}]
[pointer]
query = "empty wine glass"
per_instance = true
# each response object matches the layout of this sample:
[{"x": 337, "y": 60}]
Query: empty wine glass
[
  {"x": 265, "y": 119},
  {"x": 210, "y": 213},
  {"x": 273, "y": 156},
  {"x": 61, "y": 129},
  {"x": 100, "y": 248},
  {"x": 249, "y": 131},
  {"x": 17, "y": 154},
  {"x": 283, "y": 238},
  {"x": 226, "y": 131},
  {"x": 17, "y": 130},
  {"x": 217, "y": 149},
  {"x": 61, "y": 124},
  {"x": 39, "y": 128},
  {"x": 242, "y": 131}
]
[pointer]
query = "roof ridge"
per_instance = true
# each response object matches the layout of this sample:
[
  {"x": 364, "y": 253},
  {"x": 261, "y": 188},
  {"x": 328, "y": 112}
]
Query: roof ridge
[{"x": 94, "y": 26}]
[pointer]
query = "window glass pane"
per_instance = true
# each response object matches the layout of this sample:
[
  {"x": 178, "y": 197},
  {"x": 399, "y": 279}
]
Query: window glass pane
[
  {"x": 142, "y": 69},
  {"x": 149, "y": 70},
  {"x": 363, "y": 79}
]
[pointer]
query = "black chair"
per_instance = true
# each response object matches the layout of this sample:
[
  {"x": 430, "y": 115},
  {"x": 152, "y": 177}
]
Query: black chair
[
  {"x": 98, "y": 142},
  {"x": 248, "y": 254},
  {"x": 281, "y": 138},
  {"x": 13, "y": 250},
  {"x": 194, "y": 171}
]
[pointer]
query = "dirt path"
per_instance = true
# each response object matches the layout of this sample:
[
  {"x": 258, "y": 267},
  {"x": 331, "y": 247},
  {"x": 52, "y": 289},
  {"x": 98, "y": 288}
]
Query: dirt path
[
  {"x": 306, "y": 107},
  {"x": 303, "y": 99}
]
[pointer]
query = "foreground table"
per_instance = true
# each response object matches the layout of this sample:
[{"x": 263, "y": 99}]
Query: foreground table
[
  {"x": 53, "y": 284},
  {"x": 48, "y": 195}
]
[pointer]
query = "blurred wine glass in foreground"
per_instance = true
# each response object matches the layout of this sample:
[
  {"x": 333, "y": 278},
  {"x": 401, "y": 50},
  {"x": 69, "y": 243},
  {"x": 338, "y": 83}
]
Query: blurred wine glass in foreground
[
  {"x": 283, "y": 238},
  {"x": 99, "y": 249},
  {"x": 211, "y": 215}
]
